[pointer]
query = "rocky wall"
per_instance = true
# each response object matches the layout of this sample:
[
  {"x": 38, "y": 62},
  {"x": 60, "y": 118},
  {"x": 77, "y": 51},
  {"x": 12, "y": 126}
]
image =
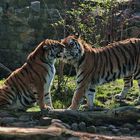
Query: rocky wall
[{"x": 23, "y": 24}]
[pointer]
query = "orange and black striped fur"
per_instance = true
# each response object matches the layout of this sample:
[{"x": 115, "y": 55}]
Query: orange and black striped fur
[
  {"x": 31, "y": 82},
  {"x": 96, "y": 66}
]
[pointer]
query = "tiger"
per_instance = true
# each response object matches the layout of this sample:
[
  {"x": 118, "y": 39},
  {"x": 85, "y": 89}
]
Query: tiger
[
  {"x": 96, "y": 66},
  {"x": 31, "y": 83}
]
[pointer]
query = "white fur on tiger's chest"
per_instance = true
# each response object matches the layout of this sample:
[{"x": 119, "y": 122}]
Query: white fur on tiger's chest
[{"x": 49, "y": 79}]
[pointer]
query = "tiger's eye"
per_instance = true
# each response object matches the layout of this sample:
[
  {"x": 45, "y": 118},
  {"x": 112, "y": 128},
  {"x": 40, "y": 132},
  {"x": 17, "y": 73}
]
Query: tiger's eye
[{"x": 71, "y": 44}]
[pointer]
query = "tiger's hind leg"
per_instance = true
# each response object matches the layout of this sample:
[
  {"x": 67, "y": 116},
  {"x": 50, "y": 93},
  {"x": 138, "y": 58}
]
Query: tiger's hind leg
[{"x": 128, "y": 83}]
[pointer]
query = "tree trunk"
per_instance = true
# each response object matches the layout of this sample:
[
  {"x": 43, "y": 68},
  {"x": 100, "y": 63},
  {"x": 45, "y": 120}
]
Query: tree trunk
[
  {"x": 114, "y": 116},
  {"x": 60, "y": 74},
  {"x": 52, "y": 133}
]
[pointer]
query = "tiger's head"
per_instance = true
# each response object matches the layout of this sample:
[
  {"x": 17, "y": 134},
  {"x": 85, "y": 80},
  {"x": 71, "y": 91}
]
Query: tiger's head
[
  {"x": 48, "y": 50},
  {"x": 53, "y": 49},
  {"x": 74, "y": 49}
]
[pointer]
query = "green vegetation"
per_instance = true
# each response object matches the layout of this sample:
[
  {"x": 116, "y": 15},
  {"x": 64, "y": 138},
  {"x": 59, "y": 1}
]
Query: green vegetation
[
  {"x": 1, "y": 82},
  {"x": 92, "y": 20},
  {"x": 104, "y": 97}
]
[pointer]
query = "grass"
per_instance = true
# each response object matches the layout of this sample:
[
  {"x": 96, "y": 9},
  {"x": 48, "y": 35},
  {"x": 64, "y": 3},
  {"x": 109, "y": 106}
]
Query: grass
[
  {"x": 104, "y": 96},
  {"x": 1, "y": 82}
]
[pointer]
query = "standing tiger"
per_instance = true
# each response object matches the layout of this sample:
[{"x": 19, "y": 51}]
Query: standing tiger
[
  {"x": 31, "y": 82},
  {"x": 95, "y": 66}
]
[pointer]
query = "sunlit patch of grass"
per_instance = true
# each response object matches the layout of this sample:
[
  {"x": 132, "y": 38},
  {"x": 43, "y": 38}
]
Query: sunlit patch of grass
[
  {"x": 98, "y": 103},
  {"x": 104, "y": 96},
  {"x": 107, "y": 92},
  {"x": 111, "y": 104},
  {"x": 1, "y": 82},
  {"x": 58, "y": 104},
  {"x": 34, "y": 109}
]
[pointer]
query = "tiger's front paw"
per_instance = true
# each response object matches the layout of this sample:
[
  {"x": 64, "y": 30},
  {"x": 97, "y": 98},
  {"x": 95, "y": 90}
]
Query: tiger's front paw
[
  {"x": 47, "y": 108},
  {"x": 86, "y": 107}
]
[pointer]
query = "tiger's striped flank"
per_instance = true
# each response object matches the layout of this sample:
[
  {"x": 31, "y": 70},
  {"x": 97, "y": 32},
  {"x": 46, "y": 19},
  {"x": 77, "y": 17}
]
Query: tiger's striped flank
[{"x": 96, "y": 66}]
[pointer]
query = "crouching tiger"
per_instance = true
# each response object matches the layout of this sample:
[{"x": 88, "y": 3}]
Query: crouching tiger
[
  {"x": 95, "y": 66},
  {"x": 31, "y": 82}
]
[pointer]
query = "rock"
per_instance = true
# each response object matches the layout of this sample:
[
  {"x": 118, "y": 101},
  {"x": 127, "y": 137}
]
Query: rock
[
  {"x": 1, "y": 10},
  {"x": 138, "y": 133},
  {"x": 45, "y": 121},
  {"x": 74, "y": 126},
  {"x": 82, "y": 126},
  {"x": 125, "y": 130},
  {"x": 0, "y": 121},
  {"x": 128, "y": 125},
  {"x": 110, "y": 127},
  {"x": 73, "y": 138},
  {"x": 8, "y": 120},
  {"x": 99, "y": 122},
  {"x": 136, "y": 14},
  {"x": 133, "y": 132},
  {"x": 20, "y": 124},
  {"x": 127, "y": 13},
  {"x": 135, "y": 31},
  {"x": 24, "y": 124},
  {"x": 137, "y": 127},
  {"x": 60, "y": 125},
  {"x": 91, "y": 129},
  {"x": 35, "y": 6},
  {"x": 136, "y": 3},
  {"x": 5, "y": 114},
  {"x": 56, "y": 120},
  {"x": 33, "y": 123},
  {"x": 24, "y": 118},
  {"x": 109, "y": 133},
  {"x": 118, "y": 133},
  {"x": 115, "y": 130},
  {"x": 101, "y": 129},
  {"x": 66, "y": 125}
]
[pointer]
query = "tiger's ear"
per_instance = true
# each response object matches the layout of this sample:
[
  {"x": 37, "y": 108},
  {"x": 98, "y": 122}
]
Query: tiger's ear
[
  {"x": 77, "y": 35},
  {"x": 45, "y": 47}
]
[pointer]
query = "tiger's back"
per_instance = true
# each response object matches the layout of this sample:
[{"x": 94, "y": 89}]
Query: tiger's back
[{"x": 117, "y": 60}]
